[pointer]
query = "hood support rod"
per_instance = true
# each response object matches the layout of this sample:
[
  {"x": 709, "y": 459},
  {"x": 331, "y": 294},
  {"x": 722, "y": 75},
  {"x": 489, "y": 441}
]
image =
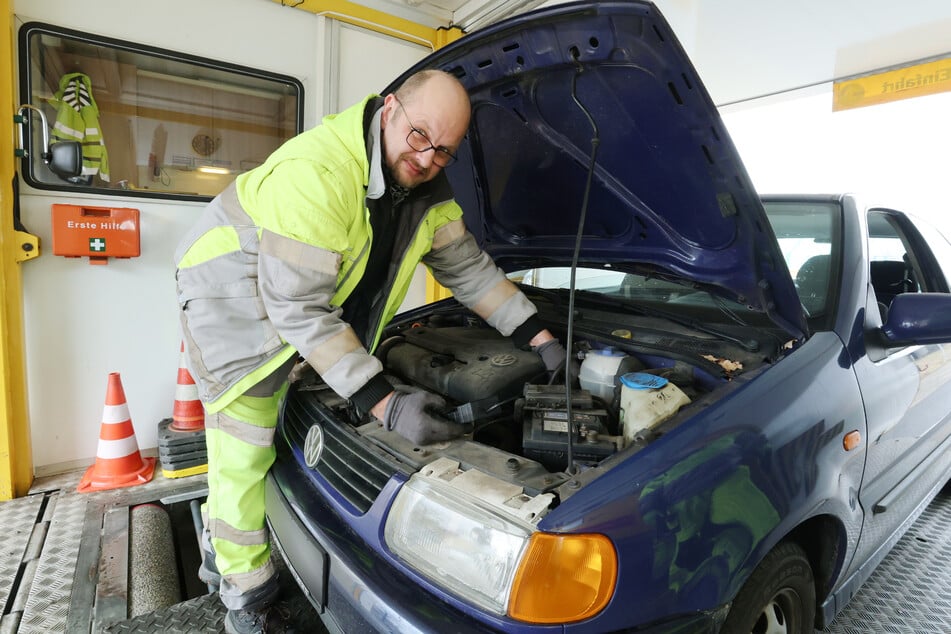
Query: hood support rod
[{"x": 569, "y": 343}]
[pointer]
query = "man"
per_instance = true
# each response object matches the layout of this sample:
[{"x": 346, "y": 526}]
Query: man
[{"x": 311, "y": 254}]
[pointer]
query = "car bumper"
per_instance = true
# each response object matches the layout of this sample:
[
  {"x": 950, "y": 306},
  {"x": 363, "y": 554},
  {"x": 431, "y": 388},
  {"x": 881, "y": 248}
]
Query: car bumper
[{"x": 355, "y": 590}]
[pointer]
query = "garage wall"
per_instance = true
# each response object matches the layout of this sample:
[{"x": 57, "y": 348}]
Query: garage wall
[{"x": 83, "y": 322}]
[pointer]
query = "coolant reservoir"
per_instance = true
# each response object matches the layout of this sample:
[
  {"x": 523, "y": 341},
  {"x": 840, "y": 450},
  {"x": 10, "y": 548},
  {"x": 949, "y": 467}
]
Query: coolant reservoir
[
  {"x": 647, "y": 400},
  {"x": 598, "y": 371}
]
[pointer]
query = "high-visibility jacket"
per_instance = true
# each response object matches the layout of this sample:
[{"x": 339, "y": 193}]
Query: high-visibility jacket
[
  {"x": 264, "y": 272},
  {"x": 77, "y": 119}
]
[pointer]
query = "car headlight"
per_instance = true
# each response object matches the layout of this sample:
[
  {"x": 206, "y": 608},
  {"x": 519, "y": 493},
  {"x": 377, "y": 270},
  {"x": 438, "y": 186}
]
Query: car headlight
[
  {"x": 456, "y": 542},
  {"x": 474, "y": 535}
]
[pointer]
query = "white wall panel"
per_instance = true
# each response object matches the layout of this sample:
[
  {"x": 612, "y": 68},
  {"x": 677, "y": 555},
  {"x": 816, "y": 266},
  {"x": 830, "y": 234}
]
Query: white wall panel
[
  {"x": 894, "y": 154},
  {"x": 389, "y": 58},
  {"x": 84, "y": 321}
]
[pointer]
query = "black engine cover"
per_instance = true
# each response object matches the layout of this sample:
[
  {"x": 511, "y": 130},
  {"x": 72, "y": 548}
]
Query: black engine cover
[{"x": 462, "y": 363}]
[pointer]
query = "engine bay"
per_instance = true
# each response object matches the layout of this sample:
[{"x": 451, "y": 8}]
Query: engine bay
[{"x": 621, "y": 396}]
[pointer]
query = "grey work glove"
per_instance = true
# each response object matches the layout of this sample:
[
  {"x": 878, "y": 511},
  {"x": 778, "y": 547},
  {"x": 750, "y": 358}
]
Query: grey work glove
[
  {"x": 414, "y": 415},
  {"x": 555, "y": 357}
]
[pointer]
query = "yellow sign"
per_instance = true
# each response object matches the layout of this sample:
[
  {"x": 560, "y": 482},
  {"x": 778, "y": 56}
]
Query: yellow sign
[{"x": 912, "y": 81}]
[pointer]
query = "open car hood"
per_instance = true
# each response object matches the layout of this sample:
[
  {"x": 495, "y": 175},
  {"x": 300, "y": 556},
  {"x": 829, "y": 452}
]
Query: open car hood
[{"x": 668, "y": 193}]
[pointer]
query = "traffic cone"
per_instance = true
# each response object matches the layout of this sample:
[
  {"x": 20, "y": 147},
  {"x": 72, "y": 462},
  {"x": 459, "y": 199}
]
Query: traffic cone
[
  {"x": 118, "y": 461},
  {"x": 181, "y": 438},
  {"x": 187, "y": 413}
]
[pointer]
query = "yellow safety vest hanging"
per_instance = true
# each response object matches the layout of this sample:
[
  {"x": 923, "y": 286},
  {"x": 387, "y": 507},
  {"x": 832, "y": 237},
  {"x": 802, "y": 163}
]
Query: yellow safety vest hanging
[{"x": 77, "y": 119}]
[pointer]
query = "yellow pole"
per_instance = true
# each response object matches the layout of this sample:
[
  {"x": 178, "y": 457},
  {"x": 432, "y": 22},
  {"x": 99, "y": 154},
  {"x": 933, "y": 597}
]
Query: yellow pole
[
  {"x": 16, "y": 453},
  {"x": 448, "y": 35},
  {"x": 434, "y": 290}
]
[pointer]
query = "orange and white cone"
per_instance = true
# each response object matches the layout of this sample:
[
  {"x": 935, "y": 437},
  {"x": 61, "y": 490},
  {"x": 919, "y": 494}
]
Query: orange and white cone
[
  {"x": 118, "y": 461},
  {"x": 188, "y": 414}
]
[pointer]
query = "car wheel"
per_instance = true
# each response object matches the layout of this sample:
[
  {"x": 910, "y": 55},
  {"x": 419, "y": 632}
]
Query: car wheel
[{"x": 778, "y": 598}]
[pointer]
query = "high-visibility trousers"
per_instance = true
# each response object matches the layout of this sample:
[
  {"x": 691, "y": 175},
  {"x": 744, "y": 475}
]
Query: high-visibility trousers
[{"x": 240, "y": 441}]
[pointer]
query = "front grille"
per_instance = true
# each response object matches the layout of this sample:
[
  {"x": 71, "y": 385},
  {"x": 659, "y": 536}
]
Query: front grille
[{"x": 355, "y": 470}]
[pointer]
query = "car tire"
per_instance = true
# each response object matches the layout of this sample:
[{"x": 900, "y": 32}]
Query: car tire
[{"x": 778, "y": 598}]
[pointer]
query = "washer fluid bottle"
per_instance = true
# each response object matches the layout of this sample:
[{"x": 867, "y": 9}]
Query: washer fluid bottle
[
  {"x": 599, "y": 371},
  {"x": 646, "y": 401}
]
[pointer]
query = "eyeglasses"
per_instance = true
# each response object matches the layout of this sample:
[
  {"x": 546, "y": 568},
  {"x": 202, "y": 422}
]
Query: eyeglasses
[{"x": 418, "y": 140}]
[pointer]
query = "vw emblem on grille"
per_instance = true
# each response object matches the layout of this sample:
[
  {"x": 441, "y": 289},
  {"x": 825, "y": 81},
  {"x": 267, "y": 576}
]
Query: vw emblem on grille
[
  {"x": 313, "y": 446},
  {"x": 502, "y": 360}
]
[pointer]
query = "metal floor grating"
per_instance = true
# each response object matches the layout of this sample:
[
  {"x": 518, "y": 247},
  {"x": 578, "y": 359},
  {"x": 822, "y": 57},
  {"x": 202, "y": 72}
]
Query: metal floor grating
[
  {"x": 910, "y": 591},
  {"x": 50, "y": 552},
  {"x": 48, "y": 583}
]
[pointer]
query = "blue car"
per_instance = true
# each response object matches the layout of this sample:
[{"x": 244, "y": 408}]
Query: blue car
[{"x": 763, "y": 403}]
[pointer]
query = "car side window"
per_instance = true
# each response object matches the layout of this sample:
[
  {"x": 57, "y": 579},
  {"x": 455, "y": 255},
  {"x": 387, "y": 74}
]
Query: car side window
[
  {"x": 899, "y": 259},
  {"x": 942, "y": 251}
]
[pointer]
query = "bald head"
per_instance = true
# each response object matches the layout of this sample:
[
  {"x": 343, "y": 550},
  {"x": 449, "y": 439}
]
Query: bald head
[
  {"x": 437, "y": 85},
  {"x": 435, "y": 104}
]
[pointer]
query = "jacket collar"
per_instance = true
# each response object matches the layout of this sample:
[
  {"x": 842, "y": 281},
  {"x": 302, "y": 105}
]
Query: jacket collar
[{"x": 377, "y": 183}]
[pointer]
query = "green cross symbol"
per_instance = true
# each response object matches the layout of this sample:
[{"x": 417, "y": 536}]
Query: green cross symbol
[{"x": 97, "y": 244}]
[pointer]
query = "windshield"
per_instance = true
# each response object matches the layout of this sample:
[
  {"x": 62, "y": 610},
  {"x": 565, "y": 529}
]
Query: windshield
[
  {"x": 606, "y": 282},
  {"x": 805, "y": 231}
]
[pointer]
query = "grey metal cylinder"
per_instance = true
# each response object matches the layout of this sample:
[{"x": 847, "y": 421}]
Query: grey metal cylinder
[{"x": 153, "y": 571}]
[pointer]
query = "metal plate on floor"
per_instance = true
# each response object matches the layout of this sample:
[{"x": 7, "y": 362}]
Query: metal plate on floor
[
  {"x": 203, "y": 614},
  {"x": 206, "y": 614},
  {"x": 17, "y": 517},
  {"x": 908, "y": 593},
  {"x": 56, "y": 578}
]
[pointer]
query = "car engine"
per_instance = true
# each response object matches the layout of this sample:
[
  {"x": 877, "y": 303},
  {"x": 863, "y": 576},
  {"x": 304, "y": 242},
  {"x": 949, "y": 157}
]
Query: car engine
[
  {"x": 507, "y": 394},
  {"x": 502, "y": 390}
]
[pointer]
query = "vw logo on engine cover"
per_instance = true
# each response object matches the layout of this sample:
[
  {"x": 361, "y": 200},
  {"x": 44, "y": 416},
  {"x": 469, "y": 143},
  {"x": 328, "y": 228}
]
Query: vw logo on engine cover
[
  {"x": 502, "y": 360},
  {"x": 313, "y": 446}
]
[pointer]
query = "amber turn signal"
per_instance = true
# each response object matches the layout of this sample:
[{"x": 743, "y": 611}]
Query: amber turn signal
[
  {"x": 563, "y": 578},
  {"x": 851, "y": 440}
]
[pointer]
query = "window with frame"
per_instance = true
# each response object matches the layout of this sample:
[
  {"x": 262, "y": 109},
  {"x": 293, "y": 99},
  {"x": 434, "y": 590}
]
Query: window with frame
[
  {"x": 807, "y": 233},
  {"x": 151, "y": 122},
  {"x": 893, "y": 264}
]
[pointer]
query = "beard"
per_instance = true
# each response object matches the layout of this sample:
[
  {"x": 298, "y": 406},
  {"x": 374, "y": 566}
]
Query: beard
[{"x": 408, "y": 173}]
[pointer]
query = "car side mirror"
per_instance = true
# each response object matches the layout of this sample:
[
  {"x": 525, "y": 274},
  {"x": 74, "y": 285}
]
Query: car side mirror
[
  {"x": 65, "y": 158},
  {"x": 918, "y": 318}
]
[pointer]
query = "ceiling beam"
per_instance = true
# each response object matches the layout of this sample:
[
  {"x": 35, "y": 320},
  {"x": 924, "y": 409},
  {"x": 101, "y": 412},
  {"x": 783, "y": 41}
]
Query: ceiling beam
[{"x": 371, "y": 19}]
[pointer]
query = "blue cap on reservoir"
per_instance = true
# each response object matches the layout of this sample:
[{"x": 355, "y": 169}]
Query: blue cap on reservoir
[
  {"x": 643, "y": 381},
  {"x": 608, "y": 351}
]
